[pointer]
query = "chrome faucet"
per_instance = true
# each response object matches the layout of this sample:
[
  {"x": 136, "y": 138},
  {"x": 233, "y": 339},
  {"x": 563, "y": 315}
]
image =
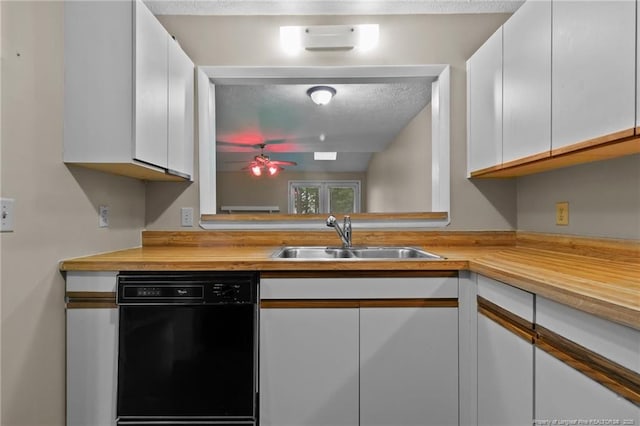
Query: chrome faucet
[{"x": 345, "y": 232}]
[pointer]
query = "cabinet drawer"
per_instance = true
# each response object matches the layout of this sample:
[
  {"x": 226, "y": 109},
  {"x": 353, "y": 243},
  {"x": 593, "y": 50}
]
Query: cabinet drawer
[
  {"x": 514, "y": 300},
  {"x": 616, "y": 342},
  {"x": 91, "y": 281},
  {"x": 358, "y": 288}
]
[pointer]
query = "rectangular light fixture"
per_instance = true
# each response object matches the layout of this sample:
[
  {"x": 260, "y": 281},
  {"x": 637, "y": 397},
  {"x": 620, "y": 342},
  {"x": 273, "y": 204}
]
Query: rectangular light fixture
[
  {"x": 329, "y": 37},
  {"x": 325, "y": 156}
]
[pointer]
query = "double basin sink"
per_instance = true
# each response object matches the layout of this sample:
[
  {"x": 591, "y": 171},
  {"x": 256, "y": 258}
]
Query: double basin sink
[{"x": 314, "y": 253}]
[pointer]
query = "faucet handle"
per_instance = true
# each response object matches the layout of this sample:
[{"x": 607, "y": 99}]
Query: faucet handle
[{"x": 331, "y": 220}]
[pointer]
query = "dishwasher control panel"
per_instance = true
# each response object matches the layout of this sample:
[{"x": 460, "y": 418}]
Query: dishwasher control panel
[{"x": 136, "y": 288}]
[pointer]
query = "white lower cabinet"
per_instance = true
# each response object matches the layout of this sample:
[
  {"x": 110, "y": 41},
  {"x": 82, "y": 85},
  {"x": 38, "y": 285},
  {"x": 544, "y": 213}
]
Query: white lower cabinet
[
  {"x": 92, "y": 342},
  {"x": 408, "y": 366},
  {"x": 505, "y": 376},
  {"x": 565, "y": 395},
  {"x": 520, "y": 383},
  {"x": 309, "y": 367},
  {"x": 92, "y": 352},
  {"x": 505, "y": 360},
  {"x": 359, "y": 364}
]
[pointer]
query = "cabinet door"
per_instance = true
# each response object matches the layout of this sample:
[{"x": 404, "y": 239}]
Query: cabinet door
[
  {"x": 505, "y": 376},
  {"x": 408, "y": 366},
  {"x": 563, "y": 393},
  {"x": 484, "y": 110},
  {"x": 309, "y": 367},
  {"x": 92, "y": 346},
  {"x": 150, "y": 88},
  {"x": 593, "y": 76},
  {"x": 527, "y": 82},
  {"x": 180, "y": 131}
]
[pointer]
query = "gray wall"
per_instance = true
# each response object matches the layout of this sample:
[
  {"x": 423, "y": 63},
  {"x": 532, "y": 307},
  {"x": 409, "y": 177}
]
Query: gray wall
[
  {"x": 404, "y": 40},
  {"x": 604, "y": 199},
  {"x": 399, "y": 178},
  {"x": 56, "y": 211}
]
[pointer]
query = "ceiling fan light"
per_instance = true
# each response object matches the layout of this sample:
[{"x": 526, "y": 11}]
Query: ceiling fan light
[
  {"x": 273, "y": 170},
  {"x": 256, "y": 170},
  {"x": 321, "y": 95}
]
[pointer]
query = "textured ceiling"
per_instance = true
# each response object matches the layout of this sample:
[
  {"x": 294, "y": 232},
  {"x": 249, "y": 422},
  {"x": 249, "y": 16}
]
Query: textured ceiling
[
  {"x": 328, "y": 7},
  {"x": 360, "y": 120}
]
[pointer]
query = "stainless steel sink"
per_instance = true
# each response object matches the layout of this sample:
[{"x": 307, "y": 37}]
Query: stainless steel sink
[{"x": 354, "y": 253}]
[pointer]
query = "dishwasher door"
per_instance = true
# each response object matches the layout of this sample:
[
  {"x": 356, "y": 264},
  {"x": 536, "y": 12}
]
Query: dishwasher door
[{"x": 191, "y": 360}]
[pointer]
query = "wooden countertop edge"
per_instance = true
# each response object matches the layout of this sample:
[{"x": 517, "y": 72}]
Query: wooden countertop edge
[{"x": 603, "y": 308}]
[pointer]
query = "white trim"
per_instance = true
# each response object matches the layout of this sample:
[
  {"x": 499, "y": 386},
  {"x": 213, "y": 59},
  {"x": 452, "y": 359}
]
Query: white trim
[
  {"x": 206, "y": 135},
  {"x": 315, "y": 225},
  {"x": 440, "y": 143},
  {"x": 273, "y": 75},
  {"x": 267, "y": 209}
]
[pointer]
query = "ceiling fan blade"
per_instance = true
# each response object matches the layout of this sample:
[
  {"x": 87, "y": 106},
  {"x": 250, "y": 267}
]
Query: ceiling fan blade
[
  {"x": 283, "y": 163},
  {"x": 252, "y": 145},
  {"x": 268, "y": 142}
]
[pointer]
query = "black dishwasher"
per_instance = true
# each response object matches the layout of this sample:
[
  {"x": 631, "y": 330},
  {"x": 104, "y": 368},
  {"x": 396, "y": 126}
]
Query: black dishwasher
[{"x": 187, "y": 349}]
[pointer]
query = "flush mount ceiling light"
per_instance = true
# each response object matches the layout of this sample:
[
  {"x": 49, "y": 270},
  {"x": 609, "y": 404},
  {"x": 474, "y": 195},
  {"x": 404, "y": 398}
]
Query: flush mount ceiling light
[
  {"x": 321, "y": 95},
  {"x": 329, "y": 37},
  {"x": 325, "y": 156}
]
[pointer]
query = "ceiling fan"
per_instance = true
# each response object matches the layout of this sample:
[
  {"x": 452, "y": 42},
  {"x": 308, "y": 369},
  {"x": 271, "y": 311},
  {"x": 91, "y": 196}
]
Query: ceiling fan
[{"x": 263, "y": 164}]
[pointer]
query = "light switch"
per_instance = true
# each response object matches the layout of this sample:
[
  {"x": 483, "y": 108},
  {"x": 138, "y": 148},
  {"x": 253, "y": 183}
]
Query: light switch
[
  {"x": 103, "y": 217},
  {"x": 186, "y": 216},
  {"x": 6, "y": 214},
  {"x": 562, "y": 213}
]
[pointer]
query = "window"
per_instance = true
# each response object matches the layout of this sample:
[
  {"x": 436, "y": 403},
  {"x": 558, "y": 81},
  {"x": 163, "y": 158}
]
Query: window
[{"x": 317, "y": 197}]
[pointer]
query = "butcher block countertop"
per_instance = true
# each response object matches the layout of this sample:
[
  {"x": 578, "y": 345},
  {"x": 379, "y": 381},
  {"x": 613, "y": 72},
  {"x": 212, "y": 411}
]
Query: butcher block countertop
[{"x": 599, "y": 276}]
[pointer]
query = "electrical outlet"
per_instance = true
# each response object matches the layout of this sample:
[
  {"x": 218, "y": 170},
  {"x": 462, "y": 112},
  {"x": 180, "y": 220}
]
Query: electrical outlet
[
  {"x": 6, "y": 214},
  {"x": 186, "y": 216},
  {"x": 103, "y": 217},
  {"x": 562, "y": 213}
]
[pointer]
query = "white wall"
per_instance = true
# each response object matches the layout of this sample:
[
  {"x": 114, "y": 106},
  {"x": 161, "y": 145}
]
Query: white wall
[
  {"x": 56, "y": 214},
  {"x": 404, "y": 40}
]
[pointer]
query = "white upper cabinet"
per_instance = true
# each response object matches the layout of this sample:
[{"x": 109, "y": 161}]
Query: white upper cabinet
[
  {"x": 128, "y": 92},
  {"x": 151, "y": 77},
  {"x": 484, "y": 97},
  {"x": 180, "y": 99},
  {"x": 527, "y": 82},
  {"x": 593, "y": 71}
]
